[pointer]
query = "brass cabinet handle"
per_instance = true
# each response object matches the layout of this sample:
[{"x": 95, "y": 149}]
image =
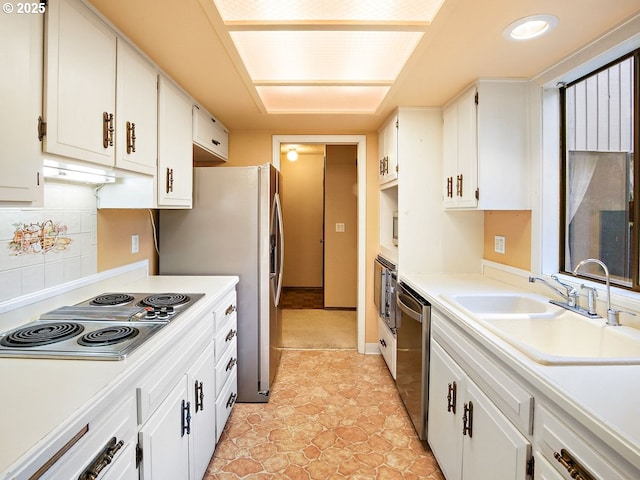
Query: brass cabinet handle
[
  {"x": 467, "y": 419},
  {"x": 199, "y": 396},
  {"x": 232, "y": 400},
  {"x": 103, "y": 459},
  {"x": 459, "y": 185},
  {"x": 230, "y": 309},
  {"x": 231, "y": 364},
  {"x": 186, "y": 418},
  {"x": 131, "y": 137},
  {"x": 451, "y": 397},
  {"x": 232, "y": 333},
  {"x": 381, "y": 166},
  {"x": 215, "y": 142},
  {"x": 575, "y": 469},
  {"x": 169, "y": 180},
  {"x": 107, "y": 129},
  {"x": 450, "y": 187}
]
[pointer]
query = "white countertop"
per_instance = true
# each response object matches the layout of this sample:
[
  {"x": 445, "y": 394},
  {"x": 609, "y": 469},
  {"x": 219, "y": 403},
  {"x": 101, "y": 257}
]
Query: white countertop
[
  {"x": 605, "y": 399},
  {"x": 39, "y": 396}
]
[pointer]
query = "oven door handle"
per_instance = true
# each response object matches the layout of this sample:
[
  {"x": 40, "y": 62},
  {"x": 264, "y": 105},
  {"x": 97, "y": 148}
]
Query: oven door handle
[{"x": 409, "y": 311}]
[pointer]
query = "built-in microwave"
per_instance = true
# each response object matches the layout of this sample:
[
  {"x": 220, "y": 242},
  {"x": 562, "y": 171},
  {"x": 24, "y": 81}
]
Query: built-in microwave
[{"x": 394, "y": 235}]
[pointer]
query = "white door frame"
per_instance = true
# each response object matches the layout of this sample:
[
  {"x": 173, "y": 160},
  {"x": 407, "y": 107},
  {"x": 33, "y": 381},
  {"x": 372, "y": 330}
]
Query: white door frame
[{"x": 361, "y": 142}]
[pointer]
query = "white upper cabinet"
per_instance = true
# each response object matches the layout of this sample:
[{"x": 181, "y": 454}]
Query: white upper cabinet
[
  {"x": 21, "y": 43},
  {"x": 388, "y": 151},
  {"x": 485, "y": 147},
  {"x": 80, "y": 84},
  {"x": 175, "y": 151},
  {"x": 136, "y": 112},
  {"x": 209, "y": 137}
]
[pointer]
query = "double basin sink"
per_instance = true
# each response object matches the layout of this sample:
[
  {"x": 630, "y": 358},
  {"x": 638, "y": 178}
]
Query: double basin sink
[{"x": 548, "y": 334}]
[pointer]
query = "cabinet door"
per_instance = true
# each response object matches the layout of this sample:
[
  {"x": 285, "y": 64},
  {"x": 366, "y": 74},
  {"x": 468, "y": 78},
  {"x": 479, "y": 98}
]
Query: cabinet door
[
  {"x": 21, "y": 43},
  {"x": 164, "y": 440},
  {"x": 391, "y": 149},
  {"x": 446, "y": 400},
  {"x": 203, "y": 439},
  {"x": 136, "y": 112},
  {"x": 80, "y": 83},
  {"x": 543, "y": 470},
  {"x": 175, "y": 150},
  {"x": 125, "y": 468},
  {"x": 210, "y": 135},
  {"x": 466, "y": 181},
  {"x": 450, "y": 154},
  {"x": 494, "y": 449}
]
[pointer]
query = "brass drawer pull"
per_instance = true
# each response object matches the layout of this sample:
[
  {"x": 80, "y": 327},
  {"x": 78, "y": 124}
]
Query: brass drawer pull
[
  {"x": 131, "y": 137},
  {"x": 232, "y": 333},
  {"x": 230, "y": 309},
  {"x": 107, "y": 129},
  {"x": 576, "y": 471},
  {"x": 103, "y": 459},
  {"x": 231, "y": 364}
]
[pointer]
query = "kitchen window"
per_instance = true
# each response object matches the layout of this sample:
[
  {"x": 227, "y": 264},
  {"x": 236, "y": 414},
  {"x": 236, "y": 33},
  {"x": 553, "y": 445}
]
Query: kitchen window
[{"x": 600, "y": 174}]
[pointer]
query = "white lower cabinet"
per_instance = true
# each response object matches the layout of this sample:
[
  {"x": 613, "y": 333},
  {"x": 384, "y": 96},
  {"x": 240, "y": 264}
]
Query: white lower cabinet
[
  {"x": 387, "y": 344},
  {"x": 179, "y": 438},
  {"x": 468, "y": 434},
  {"x": 576, "y": 453}
]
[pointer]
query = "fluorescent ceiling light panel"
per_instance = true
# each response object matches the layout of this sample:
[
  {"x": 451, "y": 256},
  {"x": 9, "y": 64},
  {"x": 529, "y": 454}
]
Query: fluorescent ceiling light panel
[
  {"x": 322, "y": 99},
  {"x": 329, "y": 56},
  {"x": 321, "y": 56},
  {"x": 328, "y": 10}
]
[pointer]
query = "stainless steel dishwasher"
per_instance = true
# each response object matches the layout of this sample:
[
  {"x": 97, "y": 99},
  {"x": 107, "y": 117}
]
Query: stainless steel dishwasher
[{"x": 412, "y": 367}]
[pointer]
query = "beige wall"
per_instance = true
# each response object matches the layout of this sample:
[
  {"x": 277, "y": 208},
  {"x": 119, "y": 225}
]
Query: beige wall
[
  {"x": 515, "y": 226},
  {"x": 115, "y": 228},
  {"x": 302, "y": 196},
  {"x": 341, "y": 248}
]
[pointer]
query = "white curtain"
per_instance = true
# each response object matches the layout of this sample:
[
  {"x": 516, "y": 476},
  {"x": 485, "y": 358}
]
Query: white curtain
[{"x": 580, "y": 169}]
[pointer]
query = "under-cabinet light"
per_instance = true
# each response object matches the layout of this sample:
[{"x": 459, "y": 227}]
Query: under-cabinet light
[{"x": 76, "y": 173}]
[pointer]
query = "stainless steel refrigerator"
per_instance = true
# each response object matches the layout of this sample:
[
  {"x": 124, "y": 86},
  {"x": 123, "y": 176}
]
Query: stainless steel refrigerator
[{"x": 235, "y": 228}]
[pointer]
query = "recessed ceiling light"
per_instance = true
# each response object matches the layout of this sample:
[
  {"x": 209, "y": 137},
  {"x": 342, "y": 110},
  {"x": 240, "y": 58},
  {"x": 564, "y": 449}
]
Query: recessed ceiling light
[{"x": 530, "y": 27}]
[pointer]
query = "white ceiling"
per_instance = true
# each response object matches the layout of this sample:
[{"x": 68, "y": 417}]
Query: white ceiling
[{"x": 189, "y": 41}]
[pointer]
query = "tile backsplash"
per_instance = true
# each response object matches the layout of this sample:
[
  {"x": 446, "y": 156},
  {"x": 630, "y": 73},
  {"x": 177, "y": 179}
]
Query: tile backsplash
[{"x": 44, "y": 247}]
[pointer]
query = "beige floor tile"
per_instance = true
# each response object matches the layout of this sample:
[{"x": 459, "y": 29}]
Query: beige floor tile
[{"x": 332, "y": 414}]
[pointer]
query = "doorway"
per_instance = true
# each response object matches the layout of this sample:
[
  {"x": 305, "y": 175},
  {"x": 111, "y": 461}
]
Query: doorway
[{"x": 356, "y": 227}]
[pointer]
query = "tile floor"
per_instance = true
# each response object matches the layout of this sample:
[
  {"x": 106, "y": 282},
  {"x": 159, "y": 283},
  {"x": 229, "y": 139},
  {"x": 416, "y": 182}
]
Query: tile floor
[
  {"x": 332, "y": 414},
  {"x": 302, "y": 297}
]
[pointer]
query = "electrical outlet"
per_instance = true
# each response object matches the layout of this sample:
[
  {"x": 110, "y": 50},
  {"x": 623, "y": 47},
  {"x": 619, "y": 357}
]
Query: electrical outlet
[
  {"x": 499, "y": 244},
  {"x": 135, "y": 243},
  {"x": 340, "y": 227}
]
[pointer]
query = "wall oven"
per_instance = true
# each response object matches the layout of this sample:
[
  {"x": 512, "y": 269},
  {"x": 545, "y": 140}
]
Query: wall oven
[
  {"x": 385, "y": 279},
  {"x": 412, "y": 367}
]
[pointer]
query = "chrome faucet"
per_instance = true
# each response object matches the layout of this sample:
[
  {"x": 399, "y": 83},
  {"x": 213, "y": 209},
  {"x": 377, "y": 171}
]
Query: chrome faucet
[
  {"x": 612, "y": 315},
  {"x": 570, "y": 294}
]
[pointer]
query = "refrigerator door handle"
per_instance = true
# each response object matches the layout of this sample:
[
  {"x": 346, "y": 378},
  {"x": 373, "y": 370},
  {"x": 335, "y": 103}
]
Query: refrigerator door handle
[{"x": 280, "y": 237}]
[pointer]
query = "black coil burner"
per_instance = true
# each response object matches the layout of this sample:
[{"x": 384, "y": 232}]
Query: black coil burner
[
  {"x": 112, "y": 299},
  {"x": 37, "y": 335},
  {"x": 108, "y": 336},
  {"x": 165, "y": 300}
]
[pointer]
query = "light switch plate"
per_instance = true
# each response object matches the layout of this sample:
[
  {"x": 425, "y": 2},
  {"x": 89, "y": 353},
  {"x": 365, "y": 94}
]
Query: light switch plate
[
  {"x": 499, "y": 244},
  {"x": 135, "y": 243},
  {"x": 340, "y": 227}
]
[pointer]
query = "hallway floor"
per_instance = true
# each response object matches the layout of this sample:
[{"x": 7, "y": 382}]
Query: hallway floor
[{"x": 332, "y": 414}]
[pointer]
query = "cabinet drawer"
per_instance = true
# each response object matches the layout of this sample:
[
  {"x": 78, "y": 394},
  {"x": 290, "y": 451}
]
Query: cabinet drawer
[
  {"x": 554, "y": 436},
  {"x": 509, "y": 396},
  {"x": 226, "y": 308},
  {"x": 387, "y": 344},
  {"x": 226, "y": 366},
  {"x": 224, "y": 404},
  {"x": 226, "y": 336},
  {"x": 118, "y": 422}
]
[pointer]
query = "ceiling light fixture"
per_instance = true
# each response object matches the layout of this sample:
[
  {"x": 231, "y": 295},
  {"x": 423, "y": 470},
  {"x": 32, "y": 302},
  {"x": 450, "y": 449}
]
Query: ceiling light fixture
[
  {"x": 325, "y": 57},
  {"x": 292, "y": 155},
  {"x": 530, "y": 27}
]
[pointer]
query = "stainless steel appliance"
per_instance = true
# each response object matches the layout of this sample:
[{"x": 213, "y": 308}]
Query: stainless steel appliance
[
  {"x": 235, "y": 228},
  {"x": 412, "y": 368},
  {"x": 384, "y": 282},
  {"x": 394, "y": 231},
  {"x": 106, "y": 327}
]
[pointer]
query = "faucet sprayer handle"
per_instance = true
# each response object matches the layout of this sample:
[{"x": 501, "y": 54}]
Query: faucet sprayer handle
[{"x": 571, "y": 290}]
